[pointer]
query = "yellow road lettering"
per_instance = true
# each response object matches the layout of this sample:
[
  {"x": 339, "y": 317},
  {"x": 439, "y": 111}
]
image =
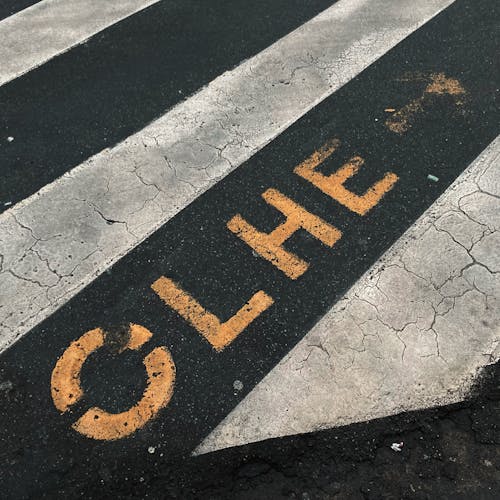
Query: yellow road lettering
[
  {"x": 270, "y": 246},
  {"x": 208, "y": 325},
  {"x": 333, "y": 185}
]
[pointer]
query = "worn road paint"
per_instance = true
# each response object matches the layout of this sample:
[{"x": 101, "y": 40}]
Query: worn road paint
[
  {"x": 439, "y": 85},
  {"x": 10, "y": 7},
  {"x": 196, "y": 250},
  {"x": 119, "y": 81},
  {"x": 65, "y": 383},
  {"x": 270, "y": 246},
  {"x": 217, "y": 333},
  {"x": 96, "y": 423},
  {"x": 333, "y": 185}
]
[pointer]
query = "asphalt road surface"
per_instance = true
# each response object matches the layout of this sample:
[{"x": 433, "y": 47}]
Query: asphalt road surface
[{"x": 249, "y": 250}]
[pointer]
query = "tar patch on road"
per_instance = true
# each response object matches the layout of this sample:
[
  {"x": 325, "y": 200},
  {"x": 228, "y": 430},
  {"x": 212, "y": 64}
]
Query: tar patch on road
[{"x": 231, "y": 284}]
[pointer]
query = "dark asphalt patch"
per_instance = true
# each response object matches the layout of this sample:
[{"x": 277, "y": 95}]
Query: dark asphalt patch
[
  {"x": 104, "y": 90},
  {"x": 197, "y": 250}
]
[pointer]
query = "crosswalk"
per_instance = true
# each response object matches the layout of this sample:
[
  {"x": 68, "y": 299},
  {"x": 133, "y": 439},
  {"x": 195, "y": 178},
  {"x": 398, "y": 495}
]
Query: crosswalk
[
  {"x": 95, "y": 217},
  {"x": 400, "y": 340},
  {"x": 173, "y": 160}
]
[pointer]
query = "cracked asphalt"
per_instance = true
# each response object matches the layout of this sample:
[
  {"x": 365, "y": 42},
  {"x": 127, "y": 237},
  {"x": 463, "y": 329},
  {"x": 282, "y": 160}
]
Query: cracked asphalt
[
  {"x": 403, "y": 328},
  {"x": 71, "y": 227}
]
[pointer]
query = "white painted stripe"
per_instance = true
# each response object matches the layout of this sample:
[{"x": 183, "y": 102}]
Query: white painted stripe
[
  {"x": 412, "y": 333},
  {"x": 58, "y": 240},
  {"x": 50, "y": 27}
]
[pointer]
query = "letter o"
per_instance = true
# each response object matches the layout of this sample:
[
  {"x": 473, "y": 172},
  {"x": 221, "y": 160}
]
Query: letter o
[{"x": 96, "y": 423}]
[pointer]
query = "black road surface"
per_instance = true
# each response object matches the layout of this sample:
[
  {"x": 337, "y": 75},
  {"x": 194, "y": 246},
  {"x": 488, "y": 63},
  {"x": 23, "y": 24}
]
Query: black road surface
[
  {"x": 9, "y": 7},
  {"x": 450, "y": 453}
]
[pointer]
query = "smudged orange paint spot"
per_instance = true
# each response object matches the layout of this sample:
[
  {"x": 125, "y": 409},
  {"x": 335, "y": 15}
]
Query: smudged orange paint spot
[
  {"x": 270, "y": 246},
  {"x": 217, "y": 333},
  {"x": 441, "y": 84},
  {"x": 333, "y": 185},
  {"x": 401, "y": 121}
]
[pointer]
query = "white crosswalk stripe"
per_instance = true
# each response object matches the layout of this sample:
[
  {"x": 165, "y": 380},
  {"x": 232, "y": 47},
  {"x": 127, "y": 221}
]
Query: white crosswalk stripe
[
  {"x": 57, "y": 241},
  {"x": 399, "y": 340}
]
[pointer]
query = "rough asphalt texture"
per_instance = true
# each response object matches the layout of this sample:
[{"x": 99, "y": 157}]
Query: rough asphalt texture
[
  {"x": 10, "y": 7},
  {"x": 103, "y": 90}
]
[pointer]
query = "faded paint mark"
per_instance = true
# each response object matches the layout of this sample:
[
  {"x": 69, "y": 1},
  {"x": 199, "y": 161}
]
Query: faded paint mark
[
  {"x": 333, "y": 185},
  {"x": 218, "y": 111},
  {"x": 402, "y": 120},
  {"x": 218, "y": 334},
  {"x": 270, "y": 246}
]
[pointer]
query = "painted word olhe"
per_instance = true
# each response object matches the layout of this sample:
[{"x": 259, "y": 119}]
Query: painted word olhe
[{"x": 97, "y": 423}]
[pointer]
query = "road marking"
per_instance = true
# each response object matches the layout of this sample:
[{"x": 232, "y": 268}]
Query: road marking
[
  {"x": 333, "y": 185},
  {"x": 65, "y": 384},
  {"x": 96, "y": 423},
  {"x": 10, "y": 7},
  {"x": 270, "y": 246},
  {"x": 57, "y": 241},
  {"x": 120, "y": 80},
  {"x": 99, "y": 424},
  {"x": 34, "y": 35},
  {"x": 400, "y": 339},
  {"x": 217, "y": 333}
]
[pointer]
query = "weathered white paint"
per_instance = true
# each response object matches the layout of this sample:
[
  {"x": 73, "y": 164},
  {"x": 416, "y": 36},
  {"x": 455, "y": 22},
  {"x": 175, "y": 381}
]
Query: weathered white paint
[{"x": 50, "y": 27}]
